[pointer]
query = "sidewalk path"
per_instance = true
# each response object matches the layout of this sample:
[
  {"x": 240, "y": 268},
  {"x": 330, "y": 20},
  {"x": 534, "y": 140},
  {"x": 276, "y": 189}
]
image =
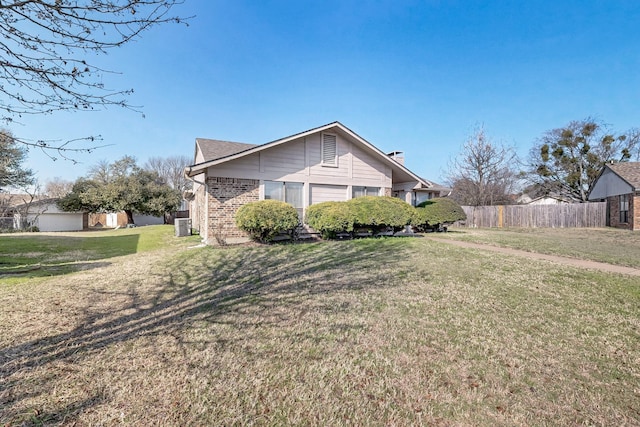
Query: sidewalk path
[{"x": 574, "y": 262}]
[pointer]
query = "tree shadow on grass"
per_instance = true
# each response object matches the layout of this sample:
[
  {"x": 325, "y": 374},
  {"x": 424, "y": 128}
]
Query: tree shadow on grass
[
  {"x": 208, "y": 285},
  {"x": 41, "y": 256}
]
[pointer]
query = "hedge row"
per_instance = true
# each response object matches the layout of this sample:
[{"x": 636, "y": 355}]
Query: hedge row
[
  {"x": 376, "y": 214},
  {"x": 266, "y": 219},
  {"x": 372, "y": 213},
  {"x": 435, "y": 213}
]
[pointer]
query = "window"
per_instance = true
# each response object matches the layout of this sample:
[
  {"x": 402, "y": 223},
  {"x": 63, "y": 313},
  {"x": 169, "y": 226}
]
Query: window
[
  {"x": 274, "y": 190},
  {"x": 624, "y": 208},
  {"x": 365, "y": 191},
  {"x": 422, "y": 197},
  {"x": 329, "y": 150},
  {"x": 290, "y": 192}
]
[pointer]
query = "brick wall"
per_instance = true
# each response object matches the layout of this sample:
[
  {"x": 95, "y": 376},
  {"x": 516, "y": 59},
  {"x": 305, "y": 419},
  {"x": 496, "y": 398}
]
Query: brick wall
[
  {"x": 614, "y": 213},
  {"x": 634, "y": 212},
  {"x": 226, "y": 195}
]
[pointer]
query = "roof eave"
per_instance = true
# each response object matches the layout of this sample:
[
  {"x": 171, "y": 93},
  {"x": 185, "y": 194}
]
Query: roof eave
[
  {"x": 388, "y": 159},
  {"x": 198, "y": 168}
]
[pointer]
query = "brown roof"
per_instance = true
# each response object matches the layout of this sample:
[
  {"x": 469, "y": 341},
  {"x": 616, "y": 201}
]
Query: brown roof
[
  {"x": 629, "y": 171},
  {"x": 215, "y": 149}
]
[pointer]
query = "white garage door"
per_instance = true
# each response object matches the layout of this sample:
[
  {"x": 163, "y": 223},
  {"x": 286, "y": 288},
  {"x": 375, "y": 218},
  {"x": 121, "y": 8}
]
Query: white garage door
[
  {"x": 328, "y": 193},
  {"x": 60, "y": 222}
]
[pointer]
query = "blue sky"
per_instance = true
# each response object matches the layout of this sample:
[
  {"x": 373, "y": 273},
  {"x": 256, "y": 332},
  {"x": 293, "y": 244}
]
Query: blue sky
[{"x": 414, "y": 76}]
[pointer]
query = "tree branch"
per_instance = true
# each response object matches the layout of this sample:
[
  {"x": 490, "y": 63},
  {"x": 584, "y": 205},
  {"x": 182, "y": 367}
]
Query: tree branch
[{"x": 43, "y": 51}]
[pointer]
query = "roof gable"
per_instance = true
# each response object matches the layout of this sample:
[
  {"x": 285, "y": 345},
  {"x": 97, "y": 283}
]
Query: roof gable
[
  {"x": 212, "y": 149},
  {"x": 628, "y": 171},
  {"x": 247, "y": 149},
  {"x": 616, "y": 179}
]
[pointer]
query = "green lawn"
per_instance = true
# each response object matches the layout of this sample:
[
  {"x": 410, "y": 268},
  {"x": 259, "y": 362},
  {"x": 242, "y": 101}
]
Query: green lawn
[
  {"x": 50, "y": 254},
  {"x": 392, "y": 331}
]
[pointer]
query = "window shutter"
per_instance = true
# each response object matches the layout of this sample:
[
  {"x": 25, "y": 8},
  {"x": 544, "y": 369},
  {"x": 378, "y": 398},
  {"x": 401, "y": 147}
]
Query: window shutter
[{"x": 329, "y": 149}]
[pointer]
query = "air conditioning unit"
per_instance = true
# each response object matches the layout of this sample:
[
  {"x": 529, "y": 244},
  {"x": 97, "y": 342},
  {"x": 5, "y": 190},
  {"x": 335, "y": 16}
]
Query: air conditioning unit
[{"x": 183, "y": 227}]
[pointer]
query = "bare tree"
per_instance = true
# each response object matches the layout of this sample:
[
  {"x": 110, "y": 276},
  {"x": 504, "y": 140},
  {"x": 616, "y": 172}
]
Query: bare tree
[
  {"x": 171, "y": 170},
  {"x": 20, "y": 211},
  {"x": 483, "y": 173},
  {"x": 57, "y": 188},
  {"x": 100, "y": 171},
  {"x": 44, "y": 55},
  {"x": 567, "y": 161}
]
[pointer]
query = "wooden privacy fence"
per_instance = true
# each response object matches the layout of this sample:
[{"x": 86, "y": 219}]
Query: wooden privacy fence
[{"x": 568, "y": 215}]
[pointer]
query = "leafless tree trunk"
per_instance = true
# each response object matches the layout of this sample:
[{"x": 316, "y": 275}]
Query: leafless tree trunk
[
  {"x": 483, "y": 173},
  {"x": 57, "y": 188},
  {"x": 171, "y": 170}
]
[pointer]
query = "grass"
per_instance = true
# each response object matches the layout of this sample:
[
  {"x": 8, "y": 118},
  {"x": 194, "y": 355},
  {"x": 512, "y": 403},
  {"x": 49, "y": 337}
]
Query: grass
[
  {"x": 365, "y": 332},
  {"x": 610, "y": 245},
  {"x": 51, "y": 254}
]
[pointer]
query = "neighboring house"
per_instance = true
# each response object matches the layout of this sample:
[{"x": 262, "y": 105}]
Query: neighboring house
[
  {"x": 8, "y": 204},
  {"x": 46, "y": 215},
  {"x": 327, "y": 163},
  {"x": 619, "y": 185},
  {"x": 549, "y": 199}
]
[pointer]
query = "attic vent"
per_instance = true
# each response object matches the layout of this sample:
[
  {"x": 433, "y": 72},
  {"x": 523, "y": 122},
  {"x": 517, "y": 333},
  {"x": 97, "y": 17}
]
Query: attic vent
[{"x": 329, "y": 149}]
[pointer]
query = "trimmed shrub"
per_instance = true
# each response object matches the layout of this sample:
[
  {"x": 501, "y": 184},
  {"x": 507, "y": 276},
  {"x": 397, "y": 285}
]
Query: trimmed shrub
[
  {"x": 381, "y": 212},
  {"x": 330, "y": 218},
  {"x": 370, "y": 212},
  {"x": 435, "y": 213},
  {"x": 266, "y": 219}
]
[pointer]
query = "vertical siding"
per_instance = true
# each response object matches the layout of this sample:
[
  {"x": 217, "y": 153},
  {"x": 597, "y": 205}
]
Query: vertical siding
[
  {"x": 317, "y": 169},
  {"x": 287, "y": 158},
  {"x": 300, "y": 161},
  {"x": 367, "y": 167},
  {"x": 246, "y": 166},
  {"x": 609, "y": 183}
]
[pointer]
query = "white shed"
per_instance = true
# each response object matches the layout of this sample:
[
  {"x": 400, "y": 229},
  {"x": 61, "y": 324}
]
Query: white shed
[{"x": 46, "y": 215}]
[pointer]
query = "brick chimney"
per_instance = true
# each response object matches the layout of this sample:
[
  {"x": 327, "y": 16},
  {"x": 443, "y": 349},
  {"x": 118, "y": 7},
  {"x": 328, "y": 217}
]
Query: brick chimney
[{"x": 398, "y": 156}]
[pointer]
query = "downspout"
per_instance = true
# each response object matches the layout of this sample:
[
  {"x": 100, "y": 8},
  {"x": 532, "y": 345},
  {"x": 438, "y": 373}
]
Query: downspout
[{"x": 204, "y": 236}]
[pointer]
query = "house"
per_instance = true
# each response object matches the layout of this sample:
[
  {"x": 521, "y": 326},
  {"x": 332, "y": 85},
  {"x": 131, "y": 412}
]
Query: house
[
  {"x": 619, "y": 185},
  {"x": 549, "y": 199},
  {"x": 327, "y": 163},
  {"x": 47, "y": 216}
]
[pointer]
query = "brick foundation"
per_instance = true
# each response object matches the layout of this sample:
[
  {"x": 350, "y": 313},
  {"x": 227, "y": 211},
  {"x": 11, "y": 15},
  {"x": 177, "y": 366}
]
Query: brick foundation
[{"x": 226, "y": 195}]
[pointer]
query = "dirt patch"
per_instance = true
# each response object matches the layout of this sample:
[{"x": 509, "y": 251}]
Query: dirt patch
[{"x": 574, "y": 262}]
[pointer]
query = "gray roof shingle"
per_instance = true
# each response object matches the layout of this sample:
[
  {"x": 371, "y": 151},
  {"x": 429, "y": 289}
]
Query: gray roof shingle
[{"x": 213, "y": 149}]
